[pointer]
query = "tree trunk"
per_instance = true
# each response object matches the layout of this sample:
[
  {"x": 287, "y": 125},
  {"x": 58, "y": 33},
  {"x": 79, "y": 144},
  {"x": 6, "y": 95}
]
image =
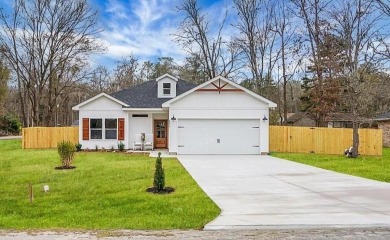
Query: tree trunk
[{"x": 355, "y": 141}]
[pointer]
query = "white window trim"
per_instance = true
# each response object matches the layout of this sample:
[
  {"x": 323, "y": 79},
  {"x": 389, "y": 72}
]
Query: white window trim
[
  {"x": 103, "y": 129},
  {"x": 116, "y": 129},
  {"x": 95, "y": 129}
]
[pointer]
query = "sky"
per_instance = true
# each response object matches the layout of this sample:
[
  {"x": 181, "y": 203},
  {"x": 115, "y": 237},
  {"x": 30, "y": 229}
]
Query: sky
[{"x": 143, "y": 28}]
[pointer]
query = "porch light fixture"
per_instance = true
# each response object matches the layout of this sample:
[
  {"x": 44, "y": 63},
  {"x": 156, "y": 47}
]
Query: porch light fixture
[
  {"x": 173, "y": 118},
  {"x": 265, "y": 118}
]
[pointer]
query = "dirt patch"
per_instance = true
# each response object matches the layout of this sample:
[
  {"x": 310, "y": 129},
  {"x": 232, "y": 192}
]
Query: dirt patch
[
  {"x": 65, "y": 167},
  {"x": 166, "y": 190}
]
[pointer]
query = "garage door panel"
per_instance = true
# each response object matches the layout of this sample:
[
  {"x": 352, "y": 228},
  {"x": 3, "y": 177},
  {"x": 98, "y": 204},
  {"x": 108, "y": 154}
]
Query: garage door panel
[{"x": 219, "y": 136}]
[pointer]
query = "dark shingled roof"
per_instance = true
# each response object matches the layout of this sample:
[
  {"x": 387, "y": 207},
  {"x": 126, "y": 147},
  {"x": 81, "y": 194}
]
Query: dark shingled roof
[
  {"x": 144, "y": 95},
  {"x": 332, "y": 117},
  {"x": 296, "y": 116},
  {"x": 383, "y": 116}
]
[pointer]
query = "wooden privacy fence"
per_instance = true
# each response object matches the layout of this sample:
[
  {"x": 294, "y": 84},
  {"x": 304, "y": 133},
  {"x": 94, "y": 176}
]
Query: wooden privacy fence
[
  {"x": 282, "y": 139},
  {"x": 48, "y": 137},
  {"x": 323, "y": 140}
]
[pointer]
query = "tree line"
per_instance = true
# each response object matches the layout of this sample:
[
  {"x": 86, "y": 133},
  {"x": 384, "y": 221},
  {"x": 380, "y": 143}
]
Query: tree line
[{"x": 319, "y": 56}]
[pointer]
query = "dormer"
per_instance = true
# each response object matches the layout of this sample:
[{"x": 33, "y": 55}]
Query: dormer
[{"x": 166, "y": 86}]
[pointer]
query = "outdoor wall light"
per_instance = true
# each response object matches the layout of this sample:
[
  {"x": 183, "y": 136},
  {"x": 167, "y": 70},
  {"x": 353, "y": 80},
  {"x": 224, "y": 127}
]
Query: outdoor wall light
[
  {"x": 265, "y": 118},
  {"x": 173, "y": 118}
]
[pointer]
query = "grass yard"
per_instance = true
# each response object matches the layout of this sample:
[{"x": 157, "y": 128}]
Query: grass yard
[
  {"x": 105, "y": 191},
  {"x": 377, "y": 168}
]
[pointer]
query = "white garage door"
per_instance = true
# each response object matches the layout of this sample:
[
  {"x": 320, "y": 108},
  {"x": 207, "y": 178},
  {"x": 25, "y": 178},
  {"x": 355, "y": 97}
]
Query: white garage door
[{"x": 219, "y": 136}]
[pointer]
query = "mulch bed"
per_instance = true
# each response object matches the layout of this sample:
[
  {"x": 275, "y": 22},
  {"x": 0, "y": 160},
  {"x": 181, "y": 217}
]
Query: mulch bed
[
  {"x": 166, "y": 190},
  {"x": 65, "y": 167}
]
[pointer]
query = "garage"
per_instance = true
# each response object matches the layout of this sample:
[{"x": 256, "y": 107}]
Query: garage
[{"x": 219, "y": 136}]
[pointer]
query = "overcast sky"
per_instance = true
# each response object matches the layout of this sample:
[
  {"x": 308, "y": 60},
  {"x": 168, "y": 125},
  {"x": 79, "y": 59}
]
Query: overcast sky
[{"x": 144, "y": 28}]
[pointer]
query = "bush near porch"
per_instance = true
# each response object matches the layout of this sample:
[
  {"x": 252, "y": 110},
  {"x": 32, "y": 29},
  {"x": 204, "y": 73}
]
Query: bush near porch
[
  {"x": 105, "y": 191},
  {"x": 376, "y": 168}
]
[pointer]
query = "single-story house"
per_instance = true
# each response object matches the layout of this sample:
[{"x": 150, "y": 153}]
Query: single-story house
[
  {"x": 333, "y": 120},
  {"x": 216, "y": 117},
  {"x": 383, "y": 121}
]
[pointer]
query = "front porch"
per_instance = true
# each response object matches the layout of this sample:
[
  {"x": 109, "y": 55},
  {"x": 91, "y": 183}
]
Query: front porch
[{"x": 147, "y": 130}]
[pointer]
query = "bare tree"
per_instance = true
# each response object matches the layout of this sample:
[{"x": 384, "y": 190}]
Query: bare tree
[
  {"x": 46, "y": 43},
  {"x": 289, "y": 48},
  {"x": 146, "y": 71},
  {"x": 384, "y": 5},
  {"x": 218, "y": 55},
  {"x": 100, "y": 81},
  {"x": 193, "y": 70},
  {"x": 125, "y": 74},
  {"x": 358, "y": 25},
  {"x": 314, "y": 17},
  {"x": 257, "y": 40},
  {"x": 4, "y": 77}
]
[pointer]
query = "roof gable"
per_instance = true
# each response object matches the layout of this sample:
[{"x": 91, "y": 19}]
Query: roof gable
[
  {"x": 167, "y": 75},
  {"x": 77, "y": 107},
  {"x": 211, "y": 86}
]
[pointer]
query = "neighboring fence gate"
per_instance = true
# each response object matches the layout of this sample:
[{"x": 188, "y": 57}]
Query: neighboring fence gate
[
  {"x": 48, "y": 137},
  {"x": 323, "y": 140},
  {"x": 282, "y": 139}
]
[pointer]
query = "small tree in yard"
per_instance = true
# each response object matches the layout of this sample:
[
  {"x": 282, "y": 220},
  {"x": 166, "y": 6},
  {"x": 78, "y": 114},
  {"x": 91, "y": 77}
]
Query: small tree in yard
[
  {"x": 66, "y": 150},
  {"x": 159, "y": 179},
  {"x": 159, "y": 176}
]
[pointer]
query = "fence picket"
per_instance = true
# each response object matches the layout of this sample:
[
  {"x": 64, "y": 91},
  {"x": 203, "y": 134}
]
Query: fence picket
[
  {"x": 48, "y": 137},
  {"x": 323, "y": 140}
]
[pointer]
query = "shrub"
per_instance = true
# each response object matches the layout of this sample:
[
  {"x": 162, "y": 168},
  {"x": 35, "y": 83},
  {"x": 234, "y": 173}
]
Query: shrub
[
  {"x": 78, "y": 147},
  {"x": 159, "y": 176},
  {"x": 10, "y": 124},
  {"x": 66, "y": 150},
  {"x": 121, "y": 146}
]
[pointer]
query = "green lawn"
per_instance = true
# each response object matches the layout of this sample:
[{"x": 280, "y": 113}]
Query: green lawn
[
  {"x": 377, "y": 168},
  {"x": 105, "y": 191}
]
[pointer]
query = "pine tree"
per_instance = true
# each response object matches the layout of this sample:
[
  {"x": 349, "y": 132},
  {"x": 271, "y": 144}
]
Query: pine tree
[{"x": 159, "y": 176}]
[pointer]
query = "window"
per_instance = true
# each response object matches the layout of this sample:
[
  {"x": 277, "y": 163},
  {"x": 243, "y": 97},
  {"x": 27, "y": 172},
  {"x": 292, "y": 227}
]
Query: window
[
  {"x": 96, "y": 128},
  {"x": 110, "y": 128},
  {"x": 166, "y": 88}
]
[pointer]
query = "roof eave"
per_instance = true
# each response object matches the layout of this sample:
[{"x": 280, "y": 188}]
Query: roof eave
[
  {"x": 167, "y": 75},
  {"x": 381, "y": 119},
  {"x": 77, "y": 107},
  {"x": 142, "y": 109}
]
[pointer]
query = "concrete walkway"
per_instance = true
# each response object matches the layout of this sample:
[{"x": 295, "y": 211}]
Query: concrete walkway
[
  {"x": 257, "y": 192},
  {"x": 10, "y": 137}
]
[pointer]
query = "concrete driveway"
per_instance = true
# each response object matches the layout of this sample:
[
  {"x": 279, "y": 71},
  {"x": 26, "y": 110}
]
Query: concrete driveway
[{"x": 267, "y": 192}]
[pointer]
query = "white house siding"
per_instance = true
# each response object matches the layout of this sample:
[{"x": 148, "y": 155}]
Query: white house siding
[
  {"x": 160, "y": 92},
  {"x": 101, "y": 108},
  {"x": 214, "y": 105},
  {"x": 138, "y": 125}
]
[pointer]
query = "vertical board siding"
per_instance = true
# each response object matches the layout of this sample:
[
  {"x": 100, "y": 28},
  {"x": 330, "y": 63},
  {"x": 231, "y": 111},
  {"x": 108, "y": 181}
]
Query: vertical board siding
[
  {"x": 323, "y": 140},
  {"x": 48, "y": 137}
]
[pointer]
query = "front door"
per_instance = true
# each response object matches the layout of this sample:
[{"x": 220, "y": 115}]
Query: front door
[{"x": 160, "y": 134}]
